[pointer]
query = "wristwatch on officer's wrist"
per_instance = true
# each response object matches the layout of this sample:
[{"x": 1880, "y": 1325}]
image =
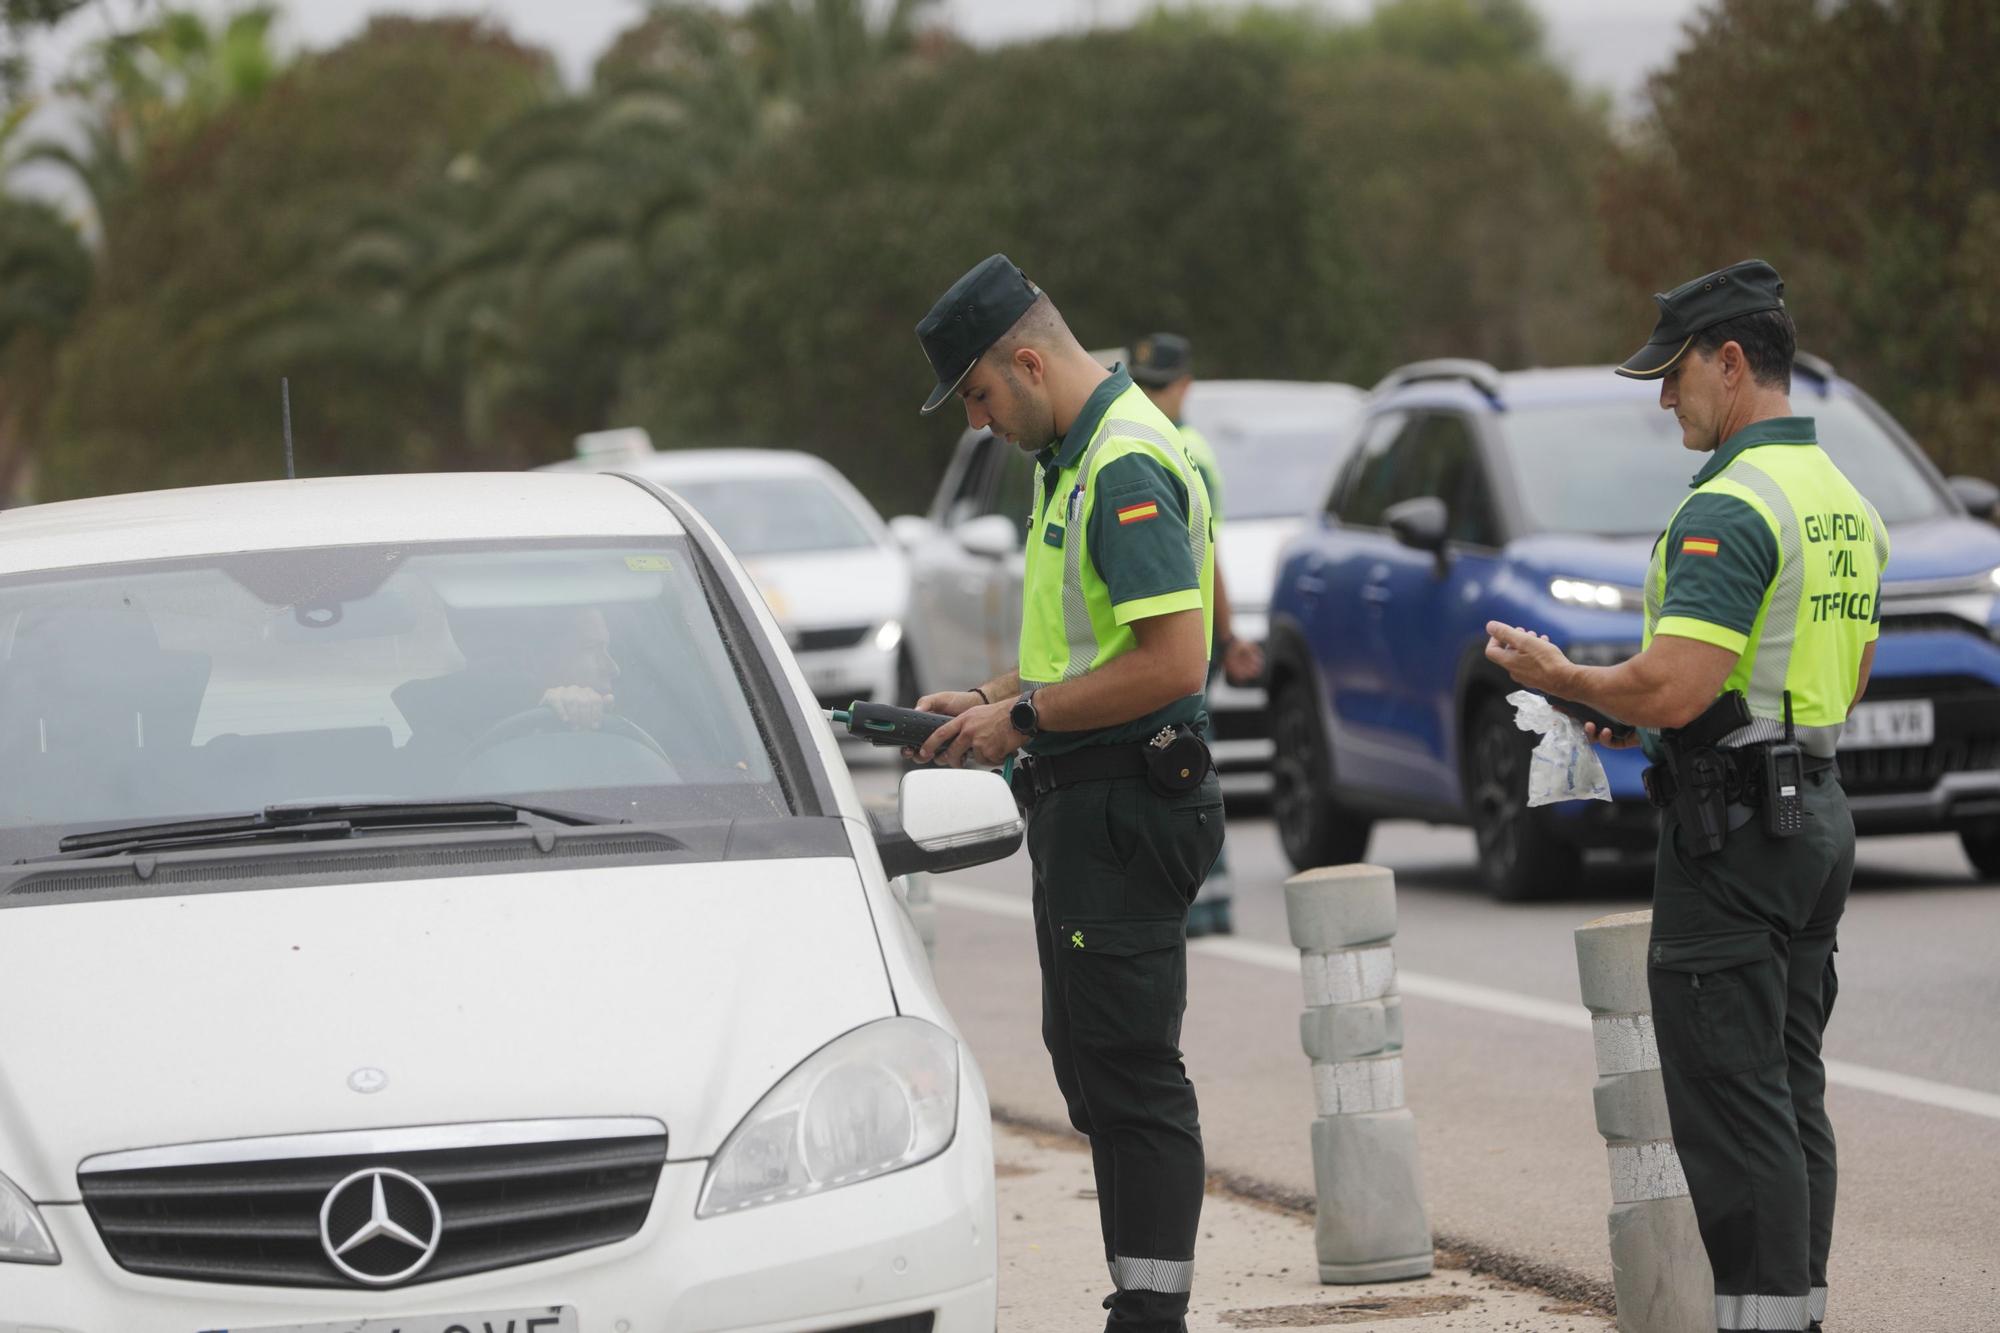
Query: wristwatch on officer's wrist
[{"x": 1023, "y": 716}]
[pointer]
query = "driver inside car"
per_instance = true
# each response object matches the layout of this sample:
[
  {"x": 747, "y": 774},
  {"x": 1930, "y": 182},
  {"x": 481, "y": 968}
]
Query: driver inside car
[
  {"x": 581, "y": 656},
  {"x": 516, "y": 660}
]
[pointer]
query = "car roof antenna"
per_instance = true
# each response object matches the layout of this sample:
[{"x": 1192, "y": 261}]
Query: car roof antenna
[{"x": 285, "y": 401}]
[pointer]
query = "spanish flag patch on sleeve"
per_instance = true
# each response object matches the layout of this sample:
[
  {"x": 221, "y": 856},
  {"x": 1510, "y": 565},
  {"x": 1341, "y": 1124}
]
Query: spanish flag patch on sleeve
[
  {"x": 1700, "y": 546},
  {"x": 1139, "y": 513}
]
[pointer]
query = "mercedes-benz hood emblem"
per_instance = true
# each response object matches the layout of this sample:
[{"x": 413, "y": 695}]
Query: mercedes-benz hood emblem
[{"x": 380, "y": 1226}]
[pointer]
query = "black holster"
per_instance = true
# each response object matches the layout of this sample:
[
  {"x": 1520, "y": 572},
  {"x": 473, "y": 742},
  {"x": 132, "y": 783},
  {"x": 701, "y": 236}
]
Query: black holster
[{"x": 1701, "y": 780}]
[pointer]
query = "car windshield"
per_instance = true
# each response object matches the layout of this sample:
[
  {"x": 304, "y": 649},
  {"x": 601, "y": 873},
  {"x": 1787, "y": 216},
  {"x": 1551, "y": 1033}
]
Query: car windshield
[
  {"x": 776, "y": 515},
  {"x": 189, "y": 688},
  {"x": 1562, "y": 456},
  {"x": 1273, "y": 469}
]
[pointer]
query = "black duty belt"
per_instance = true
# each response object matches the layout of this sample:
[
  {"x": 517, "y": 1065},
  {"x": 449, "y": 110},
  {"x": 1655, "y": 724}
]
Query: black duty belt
[
  {"x": 1036, "y": 775},
  {"x": 1747, "y": 786},
  {"x": 1174, "y": 762}
]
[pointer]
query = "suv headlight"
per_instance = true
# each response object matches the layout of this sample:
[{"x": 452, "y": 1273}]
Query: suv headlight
[
  {"x": 24, "y": 1237},
  {"x": 881, "y": 1098},
  {"x": 1597, "y": 596}
]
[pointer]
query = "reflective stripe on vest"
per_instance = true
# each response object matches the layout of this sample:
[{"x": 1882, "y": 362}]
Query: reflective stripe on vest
[
  {"x": 1770, "y": 665},
  {"x": 1078, "y": 630}
]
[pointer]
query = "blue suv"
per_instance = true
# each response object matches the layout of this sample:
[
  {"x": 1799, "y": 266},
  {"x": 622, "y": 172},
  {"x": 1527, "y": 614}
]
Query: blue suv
[{"x": 1535, "y": 498}]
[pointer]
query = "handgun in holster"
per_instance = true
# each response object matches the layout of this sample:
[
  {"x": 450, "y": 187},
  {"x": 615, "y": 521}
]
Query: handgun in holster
[{"x": 1701, "y": 774}]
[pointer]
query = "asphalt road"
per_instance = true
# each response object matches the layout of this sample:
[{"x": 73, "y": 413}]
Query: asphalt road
[{"x": 1499, "y": 1064}]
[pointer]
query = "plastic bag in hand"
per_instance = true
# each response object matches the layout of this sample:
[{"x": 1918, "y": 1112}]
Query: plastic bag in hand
[{"x": 1564, "y": 766}]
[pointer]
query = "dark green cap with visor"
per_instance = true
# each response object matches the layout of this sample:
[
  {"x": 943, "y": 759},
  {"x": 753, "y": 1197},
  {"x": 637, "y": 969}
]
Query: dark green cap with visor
[
  {"x": 969, "y": 318},
  {"x": 1748, "y": 288}
]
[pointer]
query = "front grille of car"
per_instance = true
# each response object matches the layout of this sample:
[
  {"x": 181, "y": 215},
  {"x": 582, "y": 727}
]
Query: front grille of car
[
  {"x": 824, "y": 640},
  {"x": 1930, "y": 622},
  {"x": 1966, "y": 713},
  {"x": 259, "y": 1221}
]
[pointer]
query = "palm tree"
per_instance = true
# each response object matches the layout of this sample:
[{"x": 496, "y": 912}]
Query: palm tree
[
  {"x": 153, "y": 87},
  {"x": 541, "y": 270}
]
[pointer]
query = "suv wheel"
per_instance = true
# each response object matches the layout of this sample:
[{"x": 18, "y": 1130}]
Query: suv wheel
[
  {"x": 1314, "y": 831},
  {"x": 1519, "y": 857},
  {"x": 1982, "y": 847}
]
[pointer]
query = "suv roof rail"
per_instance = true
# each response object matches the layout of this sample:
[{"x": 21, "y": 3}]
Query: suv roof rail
[
  {"x": 1480, "y": 375},
  {"x": 1816, "y": 366}
]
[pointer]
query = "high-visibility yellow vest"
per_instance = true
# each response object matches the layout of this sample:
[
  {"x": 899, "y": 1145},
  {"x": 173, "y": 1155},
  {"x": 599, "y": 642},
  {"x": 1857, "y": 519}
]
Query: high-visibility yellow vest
[
  {"x": 1071, "y": 621},
  {"x": 1821, "y": 606}
]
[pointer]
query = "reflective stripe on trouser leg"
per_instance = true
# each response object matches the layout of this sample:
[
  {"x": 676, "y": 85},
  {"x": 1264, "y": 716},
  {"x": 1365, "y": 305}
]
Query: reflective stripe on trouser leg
[
  {"x": 1784, "y": 1313},
  {"x": 1816, "y": 1305},
  {"x": 1172, "y": 1276}
]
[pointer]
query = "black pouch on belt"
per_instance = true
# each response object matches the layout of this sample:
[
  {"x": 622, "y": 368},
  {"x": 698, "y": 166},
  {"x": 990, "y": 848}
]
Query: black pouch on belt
[{"x": 1177, "y": 759}]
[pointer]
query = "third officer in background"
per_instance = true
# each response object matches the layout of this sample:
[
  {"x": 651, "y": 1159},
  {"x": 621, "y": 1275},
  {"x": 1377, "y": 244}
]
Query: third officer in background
[
  {"x": 1761, "y": 619},
  {"x": 1162, "y": 364},
  {"x": 1124, "y": 815}
]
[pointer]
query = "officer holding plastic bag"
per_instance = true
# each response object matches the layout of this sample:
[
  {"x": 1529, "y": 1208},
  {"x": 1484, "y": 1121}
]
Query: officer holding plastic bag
[{"x": 1761, "y": 619}]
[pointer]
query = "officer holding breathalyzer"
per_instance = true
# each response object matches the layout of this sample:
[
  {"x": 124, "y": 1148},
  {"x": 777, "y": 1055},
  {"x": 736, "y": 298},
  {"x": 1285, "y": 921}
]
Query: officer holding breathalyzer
[{"x": 1762, "y": 610}]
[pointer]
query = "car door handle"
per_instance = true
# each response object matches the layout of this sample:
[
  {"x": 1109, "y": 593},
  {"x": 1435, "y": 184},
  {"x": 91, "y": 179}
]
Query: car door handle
[
  {"x": 1311, "y": 585},
  {"x": 1376, "y": 593}
]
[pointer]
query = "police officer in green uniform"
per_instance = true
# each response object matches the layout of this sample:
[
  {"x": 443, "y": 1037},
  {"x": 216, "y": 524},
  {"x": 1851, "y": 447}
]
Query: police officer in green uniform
[
  {"x": 1124, "y": 814},
  {"x": 1761, "y": 620},
  {"x": 1163, "y": 365}
]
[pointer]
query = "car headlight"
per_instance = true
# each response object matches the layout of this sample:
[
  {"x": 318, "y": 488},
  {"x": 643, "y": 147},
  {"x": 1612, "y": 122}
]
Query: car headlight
[
  {"x": 24, "y": 1237},
  {"x": 1597, "y": 596},
  {"x": 1995, "y": 578},
  {"x": 889, "y": 636},
  {"x": 881, "y": 1098}
]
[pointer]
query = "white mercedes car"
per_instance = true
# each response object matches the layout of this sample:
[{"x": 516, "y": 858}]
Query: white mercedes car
[
  {"x": 435, "y": 905},
  {"x": 836, "y": 579}
]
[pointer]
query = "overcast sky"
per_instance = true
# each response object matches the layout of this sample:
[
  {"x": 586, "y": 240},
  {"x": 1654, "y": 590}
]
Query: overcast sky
[{"x": 1610, "y": 44}]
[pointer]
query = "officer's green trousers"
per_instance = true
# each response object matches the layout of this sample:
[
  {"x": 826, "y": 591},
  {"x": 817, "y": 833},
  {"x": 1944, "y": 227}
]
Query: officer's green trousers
[
  {"x": 1116, "y": 866},
  {"x": 1742, "y": 979}
]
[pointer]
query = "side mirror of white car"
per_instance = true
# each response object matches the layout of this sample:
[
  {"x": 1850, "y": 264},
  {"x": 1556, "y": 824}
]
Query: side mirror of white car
[
  {"x": 992, "y": 536},
  {"x": 909, "y": 530},
  {"x": 950, "y": 819}
]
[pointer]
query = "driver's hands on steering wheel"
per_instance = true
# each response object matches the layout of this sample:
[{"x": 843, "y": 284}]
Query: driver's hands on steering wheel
[{"x": 577, "y": 705}]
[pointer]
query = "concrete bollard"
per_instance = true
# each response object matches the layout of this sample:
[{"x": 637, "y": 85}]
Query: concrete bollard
[
  {"x": 1657, "y": 1263},
  {"x": 1371, "y": 1224}
]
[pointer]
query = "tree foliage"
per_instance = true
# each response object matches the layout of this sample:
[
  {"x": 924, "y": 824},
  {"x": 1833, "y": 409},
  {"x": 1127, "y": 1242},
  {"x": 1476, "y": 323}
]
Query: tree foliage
[
  {"x": 164, "y": 382},
  {"x": 729, "y": 235},
  {"x": 149, "y": 90},
  {"x": 1856, "y": 145},
  {"x": 1303, "y": 201}
]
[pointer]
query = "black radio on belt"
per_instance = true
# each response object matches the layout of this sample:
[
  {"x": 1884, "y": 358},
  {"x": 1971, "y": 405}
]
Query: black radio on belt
[{"x": 1784, "y": 782}]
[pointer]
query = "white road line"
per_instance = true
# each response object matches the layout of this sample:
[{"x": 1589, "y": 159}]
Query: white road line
[{"x": 1492, "y": 1000}]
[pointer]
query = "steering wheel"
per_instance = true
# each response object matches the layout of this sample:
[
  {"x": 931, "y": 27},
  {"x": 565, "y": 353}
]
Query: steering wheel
[{"x": 542, "y": 718}]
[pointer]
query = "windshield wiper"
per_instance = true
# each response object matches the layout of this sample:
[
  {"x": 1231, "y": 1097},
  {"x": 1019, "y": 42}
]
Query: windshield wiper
[{"x": 290, "y": 823}]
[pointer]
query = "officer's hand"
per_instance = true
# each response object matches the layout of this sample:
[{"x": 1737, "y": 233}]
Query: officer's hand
[
  {"x": 1610, "y": 739},
  {"x": 983, "y": 733},
  {"x": 1529, "y": 658},
  {"x": 1243, "y": 662},
  {"x": 949, "y": 702},
  {"x": 578, "y": 705}
]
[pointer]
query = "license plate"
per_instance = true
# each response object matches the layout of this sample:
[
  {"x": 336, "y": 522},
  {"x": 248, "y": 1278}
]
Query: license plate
[
  {"x": 1904, "y": 722},
  {"x": 542, "y": 1319}
]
